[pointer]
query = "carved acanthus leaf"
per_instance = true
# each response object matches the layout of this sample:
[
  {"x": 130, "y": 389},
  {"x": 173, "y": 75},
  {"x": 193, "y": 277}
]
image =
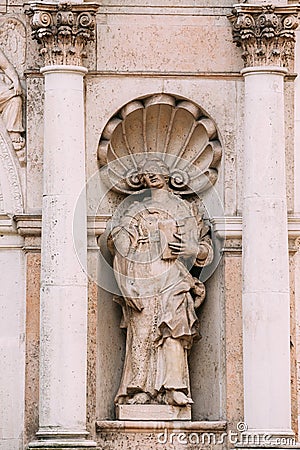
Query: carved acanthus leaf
[
  {"x": 63, "y": 31},
  {"x": 266, "y": 34}
]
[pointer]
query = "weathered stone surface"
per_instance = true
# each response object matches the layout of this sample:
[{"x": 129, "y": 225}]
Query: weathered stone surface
[
  {"x": 153, "y": 412},
  {"x": 167, "y": 43},
  {"x": 31, "y": 419},
  {"x": 183, "y": 49},
  {"x": 35, "y": 144},
  {"x": 234, "y": 347},
  {"x": 158, "y": 434}
]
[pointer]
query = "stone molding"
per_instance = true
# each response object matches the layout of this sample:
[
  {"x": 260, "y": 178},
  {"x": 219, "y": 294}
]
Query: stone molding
[
  {"x": 7, "y": 224},
  {"x": 49, "y": 438},
  {"x": 226, "y": 227},
  {"x": 10, "y": 239},
  {"x": 153, "y": 425},
  {"x": 230, "y": 227},
  {"x": 266, "y": 34},
  {"x": 63, "y": 30}
]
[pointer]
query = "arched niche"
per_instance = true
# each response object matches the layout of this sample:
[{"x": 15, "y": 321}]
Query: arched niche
[{"x": 187, "y": 139}]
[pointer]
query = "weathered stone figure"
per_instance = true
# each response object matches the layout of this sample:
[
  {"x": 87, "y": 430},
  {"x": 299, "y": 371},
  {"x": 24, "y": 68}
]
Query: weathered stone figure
[
  {"x": 11, "y": 102},
  {"x": 154, "y": 244}
]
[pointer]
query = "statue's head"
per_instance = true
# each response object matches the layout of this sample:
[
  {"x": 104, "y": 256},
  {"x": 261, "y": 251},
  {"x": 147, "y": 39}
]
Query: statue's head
[{"x": 154, "y": 173}]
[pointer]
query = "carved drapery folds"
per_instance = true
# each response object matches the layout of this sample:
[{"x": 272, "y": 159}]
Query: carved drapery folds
[
  {"x": 266, "y": 34},
  {"x": 63, "y": 30}
]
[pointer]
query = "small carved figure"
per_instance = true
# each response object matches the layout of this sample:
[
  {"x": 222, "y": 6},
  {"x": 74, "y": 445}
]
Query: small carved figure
[
  {"x": 154, "y": 244},
  {"x": 11, "y": 102}
]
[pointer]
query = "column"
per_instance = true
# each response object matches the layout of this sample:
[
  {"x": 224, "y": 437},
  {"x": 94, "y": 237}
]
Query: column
[
  {"x": 266, "y": 36},
  {"x": 297, "y": 201},
  {"x": 63, "y": 31}
]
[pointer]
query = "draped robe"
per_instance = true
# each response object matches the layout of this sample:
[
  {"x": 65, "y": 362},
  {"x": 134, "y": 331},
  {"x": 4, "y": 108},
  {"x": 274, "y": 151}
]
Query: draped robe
[{"x": 158, "y": 308}]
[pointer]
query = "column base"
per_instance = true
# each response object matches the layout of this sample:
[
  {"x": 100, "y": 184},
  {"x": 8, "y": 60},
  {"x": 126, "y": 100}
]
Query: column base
[
  {"x": 61, "y": 439},
  {"x": 58, "y": 444}
]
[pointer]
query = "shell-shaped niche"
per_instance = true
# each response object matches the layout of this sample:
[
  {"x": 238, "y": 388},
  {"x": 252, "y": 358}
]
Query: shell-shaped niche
[{"x": 161, "y": 126}]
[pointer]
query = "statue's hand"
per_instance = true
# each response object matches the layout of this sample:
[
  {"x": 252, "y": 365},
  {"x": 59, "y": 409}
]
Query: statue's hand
[
  {"x": 185, "y": 248},
  {"x": 16, "y": 88}
]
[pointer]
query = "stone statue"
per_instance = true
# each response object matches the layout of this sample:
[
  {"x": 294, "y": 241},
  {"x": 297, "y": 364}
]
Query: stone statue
[
  {"x": 11, "y": 102},
  {"x": 154, "y": 244}
]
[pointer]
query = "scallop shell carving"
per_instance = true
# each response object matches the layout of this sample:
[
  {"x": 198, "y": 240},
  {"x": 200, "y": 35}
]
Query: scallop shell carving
[{"x": 161, "y": 126}]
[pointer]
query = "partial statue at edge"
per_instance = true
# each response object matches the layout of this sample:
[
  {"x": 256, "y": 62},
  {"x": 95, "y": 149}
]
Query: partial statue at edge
[
  {"x": 11, "y": 104},
  {"x": 154, "y": 244}
]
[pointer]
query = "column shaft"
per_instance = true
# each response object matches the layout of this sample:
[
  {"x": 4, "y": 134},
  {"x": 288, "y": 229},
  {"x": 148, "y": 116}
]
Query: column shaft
[
  {"x": 63, "y": 272},
  {"x": 266, "y": 313},
  {"x": 297, "y": 129},
  {"x": 297, "y": 201}
]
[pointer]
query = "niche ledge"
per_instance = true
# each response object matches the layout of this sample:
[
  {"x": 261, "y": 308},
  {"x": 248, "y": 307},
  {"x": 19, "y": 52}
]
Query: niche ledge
[{"x": 154, "y": 425}]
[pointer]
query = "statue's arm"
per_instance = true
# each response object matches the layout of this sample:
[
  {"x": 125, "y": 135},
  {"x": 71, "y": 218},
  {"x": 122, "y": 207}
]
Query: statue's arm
[
  {"x": 205, "y": 253},
  {"x": 119, "y": 240},
  {"x": 122, "y": 238},
  {"x": 11, "y": 73}
]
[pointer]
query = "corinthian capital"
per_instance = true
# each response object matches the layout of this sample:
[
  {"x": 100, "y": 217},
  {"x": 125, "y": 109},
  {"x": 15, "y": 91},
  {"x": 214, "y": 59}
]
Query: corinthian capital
[
  {"x": 266, "y": 34},
  {"x": 63, "y": 30}
]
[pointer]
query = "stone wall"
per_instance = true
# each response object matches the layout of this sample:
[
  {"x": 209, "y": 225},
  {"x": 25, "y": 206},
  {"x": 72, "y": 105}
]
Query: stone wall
[{"x": 184, "y": 49}]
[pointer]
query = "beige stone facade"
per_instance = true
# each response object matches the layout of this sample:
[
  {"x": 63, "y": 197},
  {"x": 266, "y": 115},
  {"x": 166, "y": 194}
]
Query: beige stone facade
[{"x": 83, "y": 68}]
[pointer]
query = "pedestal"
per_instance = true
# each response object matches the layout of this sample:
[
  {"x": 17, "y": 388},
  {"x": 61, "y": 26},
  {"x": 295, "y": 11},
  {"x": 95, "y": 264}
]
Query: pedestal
[
  {"x": 164, "y": 435},
  {"x": 153, "y": 412}
]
